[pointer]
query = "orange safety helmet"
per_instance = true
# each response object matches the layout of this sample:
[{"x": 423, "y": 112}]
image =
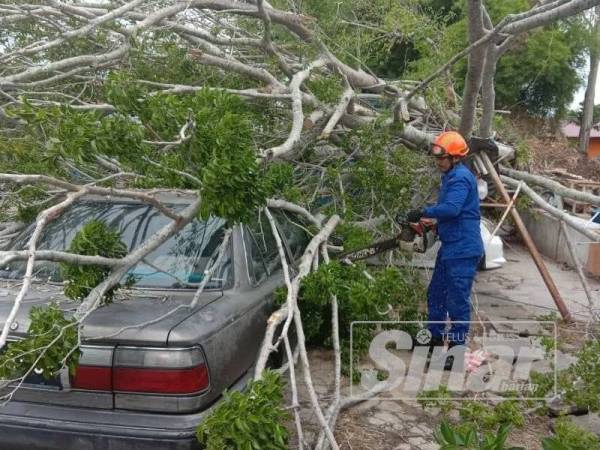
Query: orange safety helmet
[{"x": 449, "y": 143}]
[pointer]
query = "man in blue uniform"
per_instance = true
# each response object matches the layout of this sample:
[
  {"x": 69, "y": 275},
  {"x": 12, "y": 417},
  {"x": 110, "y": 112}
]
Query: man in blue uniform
[{"x": 458, "y": 218}]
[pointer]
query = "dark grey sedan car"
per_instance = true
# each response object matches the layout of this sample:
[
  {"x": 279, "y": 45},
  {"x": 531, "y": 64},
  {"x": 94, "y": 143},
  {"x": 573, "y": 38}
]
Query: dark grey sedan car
[{"x": 150, "y": 386}]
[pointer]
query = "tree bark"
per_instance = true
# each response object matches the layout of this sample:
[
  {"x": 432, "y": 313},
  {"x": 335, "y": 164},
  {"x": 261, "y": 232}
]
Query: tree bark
[
  {"x": 579, "y": 268},
  {"x": 559, "y": 214},
  {"x": 488, "y": 92},
  {"x": 590, "y": 91},
  {"x": 552, "y": 185},
  {"x": 475, "y": 68}
]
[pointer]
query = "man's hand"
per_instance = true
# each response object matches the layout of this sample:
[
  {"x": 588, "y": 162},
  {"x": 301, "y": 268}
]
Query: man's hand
[{"x": 415, "y": 215}]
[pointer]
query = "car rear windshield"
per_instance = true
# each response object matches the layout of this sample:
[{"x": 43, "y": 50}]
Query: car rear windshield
[{"x": 179, "y": 262}]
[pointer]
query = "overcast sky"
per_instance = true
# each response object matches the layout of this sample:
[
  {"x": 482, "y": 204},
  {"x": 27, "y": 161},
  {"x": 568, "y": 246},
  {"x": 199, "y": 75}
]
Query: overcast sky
[{"x": 581, "y": 93}]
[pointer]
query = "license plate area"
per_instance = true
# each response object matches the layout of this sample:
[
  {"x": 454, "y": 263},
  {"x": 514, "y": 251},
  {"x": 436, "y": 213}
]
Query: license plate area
[{"x": 34, "y": 379}]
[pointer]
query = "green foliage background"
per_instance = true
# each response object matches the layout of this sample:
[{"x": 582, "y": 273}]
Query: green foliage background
[{"x": 410, "y": 39}]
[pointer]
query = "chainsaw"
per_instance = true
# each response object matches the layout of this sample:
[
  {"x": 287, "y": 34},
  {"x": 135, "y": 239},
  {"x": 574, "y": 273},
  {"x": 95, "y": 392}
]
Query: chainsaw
[{"x": 413, "y": 237}]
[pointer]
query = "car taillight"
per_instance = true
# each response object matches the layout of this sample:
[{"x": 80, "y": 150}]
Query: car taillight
[
  {"x": 175, "y": 381},
  {"x": 92, "y": 378},
  {"x": 160, "y": 370},
  {"x": 142, "y": 370},
  {"x": 94, "y": 371}
]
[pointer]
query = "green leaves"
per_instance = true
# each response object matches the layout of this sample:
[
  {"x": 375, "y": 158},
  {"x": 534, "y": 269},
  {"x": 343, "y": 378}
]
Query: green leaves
[
  {"x": 95, "y": 238},
  {"x": 51, "y": 339},
  {"x": 488, "y": 417},
  {"x": 358, "y": 299},
  {"x": 384, "y": 177},
  {"x": 220, "y": 150},
  {"x": 554, "y": 444},
  {"x": 280, "y": 182},
  {"x": 569, "y": 436},
  {"x": 253, "y": 419},
  {"x": 451, "y": 438},
  {"x": 56, "y": 134},
  {"x": 327, "y": 89},
  {"x": 580, "y": 381}
]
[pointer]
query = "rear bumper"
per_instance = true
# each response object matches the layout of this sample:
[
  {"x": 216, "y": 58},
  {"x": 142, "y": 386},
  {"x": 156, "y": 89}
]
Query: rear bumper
[{"x": 33, "y": 426}]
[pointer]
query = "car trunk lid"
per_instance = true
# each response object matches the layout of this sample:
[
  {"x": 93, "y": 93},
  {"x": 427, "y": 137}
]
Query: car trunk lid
[{"x": 118, "y": 347}]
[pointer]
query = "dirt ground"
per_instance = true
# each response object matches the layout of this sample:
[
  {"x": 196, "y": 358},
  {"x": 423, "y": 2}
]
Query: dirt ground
[{"x": 551, "y": 150}]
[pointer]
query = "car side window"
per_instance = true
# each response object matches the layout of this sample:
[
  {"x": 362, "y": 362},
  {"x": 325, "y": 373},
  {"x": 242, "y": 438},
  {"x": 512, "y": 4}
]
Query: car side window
[
  {"x": 295, "y": 231},
  {"x": 257, "y": 270},
  {"x": 261, "y": 230}
]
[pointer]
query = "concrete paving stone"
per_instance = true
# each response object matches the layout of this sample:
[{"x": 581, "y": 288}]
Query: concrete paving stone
[
  {"x": 568, "y": 348},
  {"x": 415, "y": 430},
  {"x": 521, "y": 328},
  {"x": 557, "y": 408},
  {"x": 426, "y": 430},
  {"x": 407, "y": 418},
  {"x": 430, "y": 446},
  {"x": 391, "y": 406},
  {"x": 417, "y": 441},
  {"x": 367, "y": 405},
  {"x": 543, "y": 366},
  {"x": 564, "y": 360},
  {"x": 589, "y": 422},
  {"x": 386, "y": 417},
  {"x": 528, "y": 288},
  {"x": 501, "y": 310},
  {"x": 374, "y": 420},
  {"x": 454, "y": 415},
  {"x": 399, "y": 427},
  {"x": 434, "y": 411}
]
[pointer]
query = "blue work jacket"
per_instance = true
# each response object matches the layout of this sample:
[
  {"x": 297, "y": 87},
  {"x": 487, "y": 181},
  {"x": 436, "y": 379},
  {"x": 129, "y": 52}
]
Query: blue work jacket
[{"x": 457, "y": 214}]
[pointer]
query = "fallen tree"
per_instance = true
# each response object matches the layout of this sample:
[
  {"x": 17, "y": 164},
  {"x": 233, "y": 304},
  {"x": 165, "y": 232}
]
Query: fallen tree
[
  {"x": 558, "y": 213},
  {"x": 253, "y": 107},
  {"x": 552, "y": 185}
]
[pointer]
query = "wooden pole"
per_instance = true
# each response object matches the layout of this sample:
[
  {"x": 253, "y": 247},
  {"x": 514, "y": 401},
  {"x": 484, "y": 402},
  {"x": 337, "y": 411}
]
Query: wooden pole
[
  {"x": 582, "y": 277},
  {"x": 537, "y": 258}
]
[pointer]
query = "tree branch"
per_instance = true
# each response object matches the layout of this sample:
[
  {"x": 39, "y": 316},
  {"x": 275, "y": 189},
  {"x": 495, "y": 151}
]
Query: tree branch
[
  {"x": 554, "y": 186},
  {"x": 298, "y": 114},
  {"x": 559, "y": 214},
  {"x": 94, "y": 190},
  {"x": 42, "y": 220}
]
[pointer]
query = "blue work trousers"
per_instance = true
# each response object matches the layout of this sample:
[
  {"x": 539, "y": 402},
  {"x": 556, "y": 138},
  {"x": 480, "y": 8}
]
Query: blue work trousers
[{"x": 449, "y": 294}]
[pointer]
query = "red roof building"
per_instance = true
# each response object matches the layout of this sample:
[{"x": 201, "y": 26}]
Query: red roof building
[{"x": 571, "y": 131}]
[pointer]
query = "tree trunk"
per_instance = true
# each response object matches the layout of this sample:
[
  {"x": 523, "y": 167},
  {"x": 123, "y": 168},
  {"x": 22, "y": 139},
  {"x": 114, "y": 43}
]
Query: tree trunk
[
  {"x": 559, "y": 214},
  {"x": 590, "y": 91},
  {"x": 488, "y": 92},
  {"x": 552, "y": 185},
  {"x": 475, "y": 68}
]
